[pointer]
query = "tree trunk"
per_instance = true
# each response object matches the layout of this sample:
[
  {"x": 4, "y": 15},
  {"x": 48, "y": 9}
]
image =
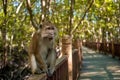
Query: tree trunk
[
  {"x": 71, "y": 16},
  {"x": 4, "y": 45},
  {"x": 4, "y": 33}
]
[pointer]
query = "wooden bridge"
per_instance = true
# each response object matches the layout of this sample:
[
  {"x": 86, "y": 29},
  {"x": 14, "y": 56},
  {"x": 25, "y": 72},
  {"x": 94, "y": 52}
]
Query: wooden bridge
[
  {"x": 97, "y": 66},
  {"x": 101, "y": 62}
]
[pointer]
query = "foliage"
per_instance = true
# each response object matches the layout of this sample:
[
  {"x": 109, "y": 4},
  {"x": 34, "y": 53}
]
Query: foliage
[
  {"x": 102, "y": 14},
  {"x": 102, "y": 20}
]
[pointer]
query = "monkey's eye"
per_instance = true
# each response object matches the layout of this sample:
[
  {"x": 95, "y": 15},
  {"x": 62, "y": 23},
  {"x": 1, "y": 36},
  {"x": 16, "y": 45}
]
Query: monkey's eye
[
  {"x": 50, "y": 28},
  {"x": 40, "y": 26}
]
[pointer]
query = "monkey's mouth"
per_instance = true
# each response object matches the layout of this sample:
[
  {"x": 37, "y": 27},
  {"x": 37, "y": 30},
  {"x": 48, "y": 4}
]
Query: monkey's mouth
[{"x": 50, "y": 38}]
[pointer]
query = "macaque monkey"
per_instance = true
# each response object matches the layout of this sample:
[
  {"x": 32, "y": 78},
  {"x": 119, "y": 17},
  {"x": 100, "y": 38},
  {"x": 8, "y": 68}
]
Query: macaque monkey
[{"x": 42, "y": 53}]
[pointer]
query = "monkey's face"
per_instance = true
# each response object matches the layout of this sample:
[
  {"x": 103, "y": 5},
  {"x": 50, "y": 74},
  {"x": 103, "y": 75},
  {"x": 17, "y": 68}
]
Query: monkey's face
[{"x": 48, "y": 32}]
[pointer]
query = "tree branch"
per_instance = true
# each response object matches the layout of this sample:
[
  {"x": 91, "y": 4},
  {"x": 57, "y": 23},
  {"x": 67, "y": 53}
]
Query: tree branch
[
  {"x": 18, "y": 9},
  {"x": 33, "y": 21},
  {"x": 5, "y": 6},
  {"x": 72, "y": 4},
  {"x": 74, "y": 29}
]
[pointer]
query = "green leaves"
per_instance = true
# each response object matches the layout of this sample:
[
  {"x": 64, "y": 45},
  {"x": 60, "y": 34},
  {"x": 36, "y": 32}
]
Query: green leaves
[{"x": 103, "y": 14}]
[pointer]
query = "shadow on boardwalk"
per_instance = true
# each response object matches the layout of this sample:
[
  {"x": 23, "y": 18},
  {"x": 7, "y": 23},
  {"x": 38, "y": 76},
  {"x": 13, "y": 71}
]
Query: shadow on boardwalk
[{"x": 99, "y": 67}]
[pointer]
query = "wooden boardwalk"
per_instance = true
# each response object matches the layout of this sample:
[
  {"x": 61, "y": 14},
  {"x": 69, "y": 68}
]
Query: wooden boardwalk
[{"x": 97, "y": 66}]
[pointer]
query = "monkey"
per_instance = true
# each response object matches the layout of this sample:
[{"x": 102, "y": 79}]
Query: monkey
[{"x": 42, "y": 53}]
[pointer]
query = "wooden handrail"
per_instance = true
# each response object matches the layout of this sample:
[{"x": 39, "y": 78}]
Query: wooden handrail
[
  {"x": 61, "y": 71},
  {"x": 107, "y": 48},
  {"x": 61, "y": 68}
]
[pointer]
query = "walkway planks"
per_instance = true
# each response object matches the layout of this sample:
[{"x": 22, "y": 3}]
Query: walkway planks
[{"x": 99, "y": 67}]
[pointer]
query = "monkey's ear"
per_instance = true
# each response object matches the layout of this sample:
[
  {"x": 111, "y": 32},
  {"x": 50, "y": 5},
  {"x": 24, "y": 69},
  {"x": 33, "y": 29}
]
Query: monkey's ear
[{"x": 40, "y": 26}]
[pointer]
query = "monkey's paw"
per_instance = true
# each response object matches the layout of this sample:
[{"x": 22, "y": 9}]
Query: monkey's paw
[
  {"x": 39, "y": 72},
  {"x": 50, "y": 72}
]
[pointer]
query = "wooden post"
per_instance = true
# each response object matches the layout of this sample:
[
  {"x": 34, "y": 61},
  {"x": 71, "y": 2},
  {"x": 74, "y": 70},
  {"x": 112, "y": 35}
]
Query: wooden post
[
  {"x": 77, "y": 59},
  {"x": 113, "y": 52},
  {"x": 80, "y": 42},
  {"x": 67, "y": 50},
  {"x": 78, "y": 45}
]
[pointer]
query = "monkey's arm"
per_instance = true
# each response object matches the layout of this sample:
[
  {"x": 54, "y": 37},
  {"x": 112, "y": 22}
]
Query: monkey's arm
[
  {"x": 51, "y": 61},
  {"x": 41, "y": 62}
]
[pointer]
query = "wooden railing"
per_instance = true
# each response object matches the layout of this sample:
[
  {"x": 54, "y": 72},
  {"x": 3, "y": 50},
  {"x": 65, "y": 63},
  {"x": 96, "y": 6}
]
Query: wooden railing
[
  {"x": 117, "y": 50},
  {"x": 76, "y": 64},
  {"x": 61, "y": 72},
  {"x": 107, "y": 48},
  {"x": 77, "y": 58}
]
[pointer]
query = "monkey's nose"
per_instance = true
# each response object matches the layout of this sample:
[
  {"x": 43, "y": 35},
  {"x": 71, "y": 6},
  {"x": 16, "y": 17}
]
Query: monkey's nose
[{"x": 51, "y": 33}]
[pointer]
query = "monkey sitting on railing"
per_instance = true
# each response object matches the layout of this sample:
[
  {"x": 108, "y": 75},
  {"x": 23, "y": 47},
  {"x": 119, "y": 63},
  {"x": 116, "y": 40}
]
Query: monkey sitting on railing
[{"x": 42, "y": 53}]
